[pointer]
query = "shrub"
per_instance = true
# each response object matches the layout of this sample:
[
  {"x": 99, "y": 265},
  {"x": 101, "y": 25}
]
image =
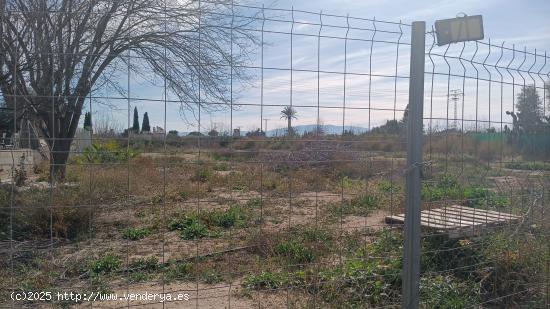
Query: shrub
[
  {"x": 136, "y": 233},
  {"x": 179, "y": 271},
  {"x": 32, "y": 220},
  {"x": 190, "y": 228},
  {"x": 145, "y": 264},
  {"x": 202, "y": 174},
  {"x": 195, "y": 230},
  {"x": 109, "y": 152},
  {"x": 105, "y": 265}
]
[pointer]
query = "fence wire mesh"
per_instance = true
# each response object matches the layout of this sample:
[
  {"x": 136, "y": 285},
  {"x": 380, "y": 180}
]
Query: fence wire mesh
[{"x": 268, "y": 168}]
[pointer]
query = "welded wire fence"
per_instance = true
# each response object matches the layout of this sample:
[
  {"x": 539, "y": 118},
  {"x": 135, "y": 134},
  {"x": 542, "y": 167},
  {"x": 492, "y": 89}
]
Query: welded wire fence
[{"x": 270, "y": 169}]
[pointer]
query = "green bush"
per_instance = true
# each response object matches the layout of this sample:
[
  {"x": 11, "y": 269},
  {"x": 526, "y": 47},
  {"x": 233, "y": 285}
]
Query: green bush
[
  {"x": 195, "y": 230},
  {"x": 109, "y": 152},
  {"x": 105, "y": 265},
  {"x": 145, "y": 264},
  {"x": 234, "y": 216},
  {"x": 448, "y": 292},
  {"x": 179, "y": 271},
  {"x": 136, "y": 233},
  {"x": 190, "y": 227}
]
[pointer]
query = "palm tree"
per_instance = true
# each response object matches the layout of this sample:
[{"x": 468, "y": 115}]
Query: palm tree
[{"x": 288, "y": 113}]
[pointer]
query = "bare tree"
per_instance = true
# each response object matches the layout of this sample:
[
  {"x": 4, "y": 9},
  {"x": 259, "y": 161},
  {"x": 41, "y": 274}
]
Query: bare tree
[
  {"x": 55, "y": 52},
  {"x": 105, "y": 124}
]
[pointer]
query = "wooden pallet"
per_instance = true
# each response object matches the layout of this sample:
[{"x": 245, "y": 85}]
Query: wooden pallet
[{"x": 458, "y": 221}]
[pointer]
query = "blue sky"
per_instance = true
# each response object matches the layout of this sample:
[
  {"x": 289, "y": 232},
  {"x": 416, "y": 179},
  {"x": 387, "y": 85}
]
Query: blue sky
[{"x": 524, "y": 24}]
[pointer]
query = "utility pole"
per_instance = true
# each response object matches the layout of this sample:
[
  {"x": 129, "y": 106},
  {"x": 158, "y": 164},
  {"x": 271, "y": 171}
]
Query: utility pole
[
  {"x": 455, "y": 96},
  {"x": 265, "y": 127}
]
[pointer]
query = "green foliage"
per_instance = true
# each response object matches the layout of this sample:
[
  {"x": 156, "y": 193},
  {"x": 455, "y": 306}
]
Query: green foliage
[
  {"x": 211, "y": 277},
  {"x": 255, "y": 202},
  {"x": 145, "y": 264},
  {"x": 365, "y": 282},
  {"x": 295, "y": 252},
  {"x": 88, "y": 121},
  {"x": 448, "y": 187},
  {"x": 234, "y": 216},
  {"x": 202, "y": 174},
  {"x": 135, "y": 125},
  {"x": 359, "y": 205},
  {"x": 448, "y": 292},
  {"x": 195, "y": 230},
  {"x": 136, "y": 233},
  {"x": 109, "y": 152},
  {"x": 208, "y": 223},
  {"x": 223, "y": 166},
  {"x": 528, "y": 166},
  {"x": 179, "y": 271},
  {"x": 265, "y": 280},
  {"x": 145, "y": 127},
  {"x": 105, "y": 265},
  {"x": 387, "y": 187},
  {"x": 190, "y": 227}
]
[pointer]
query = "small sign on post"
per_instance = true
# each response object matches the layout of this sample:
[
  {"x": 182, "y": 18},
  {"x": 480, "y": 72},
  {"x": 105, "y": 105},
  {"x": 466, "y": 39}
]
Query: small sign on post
[{"x": 459, "y": 29}]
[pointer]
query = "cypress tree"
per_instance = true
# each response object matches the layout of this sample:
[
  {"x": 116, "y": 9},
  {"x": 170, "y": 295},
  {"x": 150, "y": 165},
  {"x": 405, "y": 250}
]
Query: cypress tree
[
  {"x": 88, "y": 121},
  {"x": 135, "y": 126},
  {"x": 145, "y": 124}
]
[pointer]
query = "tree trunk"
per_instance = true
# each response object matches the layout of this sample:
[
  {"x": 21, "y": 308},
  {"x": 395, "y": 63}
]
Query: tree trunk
[
  {"x": 59, "y": 155},
  {"x": 289, "y": 126}
]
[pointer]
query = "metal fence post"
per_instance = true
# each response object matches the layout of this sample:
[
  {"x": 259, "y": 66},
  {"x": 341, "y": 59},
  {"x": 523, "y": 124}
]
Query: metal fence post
[{"x": 411, "y": 254}]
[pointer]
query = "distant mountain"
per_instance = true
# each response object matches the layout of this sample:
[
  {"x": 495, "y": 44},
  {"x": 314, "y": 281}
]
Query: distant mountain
[{"x": 327, "y": 129}]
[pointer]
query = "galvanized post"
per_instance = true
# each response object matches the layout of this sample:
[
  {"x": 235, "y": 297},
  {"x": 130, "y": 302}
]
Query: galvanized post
[{"x": 411, "y": 254}]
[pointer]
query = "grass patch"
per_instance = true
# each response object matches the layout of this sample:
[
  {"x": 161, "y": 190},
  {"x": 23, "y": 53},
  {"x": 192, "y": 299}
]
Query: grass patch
[
  {"x": 295, "y": 252},
  {"x": 448, "y": 187},
  {"x": 529, "y": 166},
  {"x": 359, "y": 205},
  {"x": 234, "y": 216},
  {"x": 209, "y": 224},
  {"x": 264, "y": 280}
]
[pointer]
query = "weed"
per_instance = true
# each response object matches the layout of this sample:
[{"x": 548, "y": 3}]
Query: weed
[
  {"x": 106, "y": 264},
  {"x": 179, "y": 271},
  {"x": 108, "y": 152},
  {"x": 211, "y": 277},
  {"x": 234, "y": 216},
  {"x": 359, "y": 205},
  {"x": 202, "y": 174},
  {"x": 388, "y": 187},
  {"x": 145, "y": 264},
  {"x": 195, "y": 230},
  {"x": 529, "y": 166},
  {"x": 264, "y": 280},
  {"x": 254, "y": 202},
  {"x": 295, "y": 252},
  {"x": 448, "y": 292},
  {"x": 136, "y": 233}
]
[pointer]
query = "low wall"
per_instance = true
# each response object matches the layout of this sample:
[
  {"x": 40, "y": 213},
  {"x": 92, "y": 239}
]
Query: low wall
[{"x": 10, "y": 157}]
